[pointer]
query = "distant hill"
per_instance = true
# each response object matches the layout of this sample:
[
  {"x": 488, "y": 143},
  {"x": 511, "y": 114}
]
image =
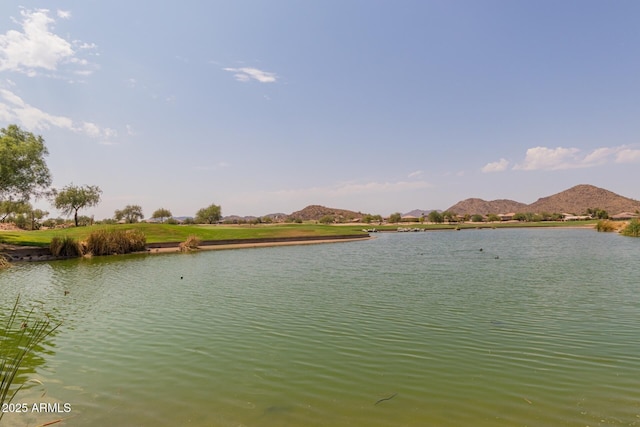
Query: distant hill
[
  {"x": 483, "y": 207},
  {"x": 575, "y": 200},
  {"x": 315, "y": 212},
  {"x": 578, "y": 199}
]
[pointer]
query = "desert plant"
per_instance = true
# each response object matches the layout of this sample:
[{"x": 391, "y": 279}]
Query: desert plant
[
  {"x": 19, "y": 338},
  {"x": 632, "y": 229},
  {"x": 4, "y": 262},
  {"x": 190, "y": 244},
  {"x": 110, "y": 242},
  {"x": 605, "y": 225},
  {"x": 65, "y": 246}
]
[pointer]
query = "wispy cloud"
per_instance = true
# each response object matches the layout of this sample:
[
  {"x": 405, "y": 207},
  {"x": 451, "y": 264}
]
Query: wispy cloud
[
  {"x": 246, "y": 74},
  {"x": 415, "y": 174},
  {"x": 498, "y": 166},
  {"x": 14, "y": 109},
  {"x": 36, "y": 47},
  {"x": 63, "y": 14},
  {"x": 562, "y": 158}
]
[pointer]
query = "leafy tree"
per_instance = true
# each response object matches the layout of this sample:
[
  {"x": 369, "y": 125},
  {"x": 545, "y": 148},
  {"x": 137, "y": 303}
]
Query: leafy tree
[
  {"x": 477, "y": 218},
  {"x": 161, "y": 214},
  {"x": 9, "y": 207},
  {"x": 208, "y": 215},
  {"x": 493, "y": 218},
  {"x": 73, "y": 198},
  {"x": 327, "y": 219},
  {"x": 130, "y": 213},
  {"x": 435, "y": 216},
  {"x": 395, "y": 217},
  {"x": 23, "y": 171},
  {"x": 449, "y": 216}
]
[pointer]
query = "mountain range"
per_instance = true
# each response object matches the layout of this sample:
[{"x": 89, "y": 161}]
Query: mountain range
[{"x": 575, "y": 200}]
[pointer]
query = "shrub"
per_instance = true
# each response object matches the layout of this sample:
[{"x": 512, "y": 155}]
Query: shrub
[
  {"x": 4, "y": 262},
  {"x": 632, "y": 229},
  {"x": 190, "y": 244},
  {"x": 111, "y": 242},
  {"x": 605, "y": 225},
  {"x": 65, "y": 246}
]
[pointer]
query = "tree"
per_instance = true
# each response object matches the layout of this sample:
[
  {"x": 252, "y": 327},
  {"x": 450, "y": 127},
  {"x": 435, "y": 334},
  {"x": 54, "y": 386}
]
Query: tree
[
  {"x": 208, "y": 215},
  {"x": 23, "y": 171},
  {"x": 493, "y": 217},
  {"x": 130, "y": 213},
  {"x": 73, "y": 198},
  {"x": 162, "y": 213},
  {"x": 435, "y": 216},
  {"x": 327, "y": 219},
  {"x": 477, "y": 218},
  {"x": 395, "y": 217}
]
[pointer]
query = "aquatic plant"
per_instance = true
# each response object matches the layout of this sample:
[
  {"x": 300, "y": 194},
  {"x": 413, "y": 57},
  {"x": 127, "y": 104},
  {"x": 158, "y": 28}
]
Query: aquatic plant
[
  {"x": 605, "y": 225},
  {"x": 17, "y": 341},
  {"x": 110, "y": 242},
  {"x": 190, "y": 244},
  {"x": 65, "y": 246},
  {"x": 632, "y": 229}
]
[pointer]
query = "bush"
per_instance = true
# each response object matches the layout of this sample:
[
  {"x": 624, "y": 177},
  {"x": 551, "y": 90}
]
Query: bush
[
  {"x": 112, "y": 242},
  {"x": 65, "y": 246},
  {"x": 632, "y": 229},
  {"x": 190, "y": 244},
  {"x": 605, "y": 225},
  {"x": 4, "y": 262}
]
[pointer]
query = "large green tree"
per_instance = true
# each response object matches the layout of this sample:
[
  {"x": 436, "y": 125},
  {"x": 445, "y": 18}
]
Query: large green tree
[
  {"x": 161, "y": 214},
  {"x": 23, "y": 171},
  {"x": 209, "y": 215},
  {"x": 72, "y": 198},
  {"x": 130, "y": 213}
]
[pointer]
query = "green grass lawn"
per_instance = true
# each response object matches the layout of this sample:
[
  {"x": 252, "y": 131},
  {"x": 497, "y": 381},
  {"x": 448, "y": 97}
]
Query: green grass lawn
[{"x": 179, "y": 233}]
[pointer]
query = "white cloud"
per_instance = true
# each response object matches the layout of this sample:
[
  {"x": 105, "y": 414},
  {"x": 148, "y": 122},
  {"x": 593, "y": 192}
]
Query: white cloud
[
  {"x": 36, "y": 48},
  {"x": 627, "y": 155},
  {"x": 560, "y": 158},
  {"x": 498, "y": 166},
  {"x": 63, "y": 14},
  {"x": 15, "y": 110},
  {"x": 246, "y": 74},
  {"x": 415, "y": 174}
]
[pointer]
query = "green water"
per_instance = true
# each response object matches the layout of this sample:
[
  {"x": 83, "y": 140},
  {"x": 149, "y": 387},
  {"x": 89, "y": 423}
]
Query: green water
[{"x": 546, "y": 334}]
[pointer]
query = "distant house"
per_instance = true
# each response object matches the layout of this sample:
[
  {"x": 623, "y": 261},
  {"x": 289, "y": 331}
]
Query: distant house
[
  {"x": 571, "y": 217},
  {"x": 507, "y": 216},
  {"x": 624, "y": 216}
]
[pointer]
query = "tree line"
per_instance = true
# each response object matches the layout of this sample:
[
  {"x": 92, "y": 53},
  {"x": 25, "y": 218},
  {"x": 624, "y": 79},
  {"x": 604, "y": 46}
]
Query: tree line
[{"x": 24, "y": 175}]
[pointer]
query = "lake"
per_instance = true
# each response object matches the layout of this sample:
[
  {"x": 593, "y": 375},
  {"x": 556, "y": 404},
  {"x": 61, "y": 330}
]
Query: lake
[{"x": 539, "y": 328}]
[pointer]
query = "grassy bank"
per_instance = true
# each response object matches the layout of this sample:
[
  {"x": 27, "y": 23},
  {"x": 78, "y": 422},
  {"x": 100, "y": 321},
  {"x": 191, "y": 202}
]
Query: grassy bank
[{"x": 179, "y": 233}]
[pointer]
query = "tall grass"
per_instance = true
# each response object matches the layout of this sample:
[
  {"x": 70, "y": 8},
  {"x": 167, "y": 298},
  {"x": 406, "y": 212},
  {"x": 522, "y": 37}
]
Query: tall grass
[
  {"x": 19, "y": 338},
  {"x": 114, "y": 241},
  {"x": 605, "y": 225},
  {"x": 190, "y": 244},
  {"x": 632, "y": 229},
  {"x": 4, "y": 263},
  {"x": 65, "y": 246}
]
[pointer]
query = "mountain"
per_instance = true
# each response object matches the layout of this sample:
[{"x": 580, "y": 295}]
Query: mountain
[
  {"x": 483, "y": 207},
  {"x": 418, "y": 213},
  {"x": 582, "y": 197},
  {"x": 315, "y": 212},
  {"x": 575, "y": 200}
]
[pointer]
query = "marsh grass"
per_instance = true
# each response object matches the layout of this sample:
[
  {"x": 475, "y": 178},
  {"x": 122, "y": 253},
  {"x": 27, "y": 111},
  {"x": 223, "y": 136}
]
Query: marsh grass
[
  {"x": 191, "y": 244},
  {"x": 4, "y": 262},
  {"x": 65, "y": 246},
  {"x": 115, "y": 241},
  {"x": 605, "y": 225},
  {"x": 22, "y": 334},
  {"x": 632, "y": 229}
]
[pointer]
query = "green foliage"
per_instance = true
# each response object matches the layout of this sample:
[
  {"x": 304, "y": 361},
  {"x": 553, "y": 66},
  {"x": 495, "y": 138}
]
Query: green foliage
[
  {"x": 632, "y": 229},
  {"x": 65, "y": 246},
  {"x": 597, "y": 213},
  {"x": 172, "y": 221},
  {"x": 115, "y": 241},
  {"x": 23, "y": 171},
  {"x": 161, "y": 214},
  {"x": 208, "y": 215},
  {"x": 131, "y": 214},
  {"x": 327, "y": 219},
  {"x": 395, "y": 217},
  {"x": 435, "y": 217},
  {"x": 477, "y": 218},
  {"x": 493, "y": 218},
  {"x": 73, "y": 198},
  {"x": 17, "y": 341}
]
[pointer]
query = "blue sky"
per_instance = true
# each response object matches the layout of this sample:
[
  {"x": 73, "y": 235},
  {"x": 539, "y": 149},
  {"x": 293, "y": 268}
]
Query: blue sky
[{"x": 374, "y": 106}]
